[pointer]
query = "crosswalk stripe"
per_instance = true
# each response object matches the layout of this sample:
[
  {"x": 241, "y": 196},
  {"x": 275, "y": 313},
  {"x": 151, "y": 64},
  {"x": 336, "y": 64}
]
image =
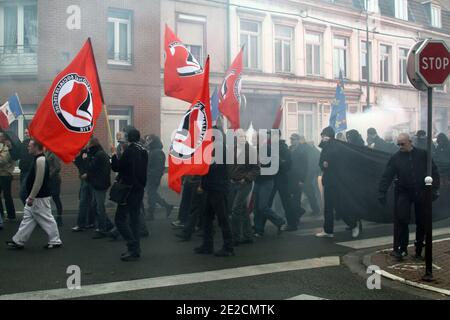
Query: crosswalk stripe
[
  {"x": 382, "y": 241},
  {"x": 306, "y": 297},
  {"x": 175, "y": 280},
  {"x": 338, "y": 229}
]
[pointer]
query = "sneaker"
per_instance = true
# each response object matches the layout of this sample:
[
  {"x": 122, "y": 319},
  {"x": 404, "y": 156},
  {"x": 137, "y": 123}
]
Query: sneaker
[
  {"x": 401, "y": 255},
  {"x": 177, "y": 224},
  {"x": 129, "y": 257},
  {"x": 77, "y": 229},
  {"x": 288, "y": 228},
  {"x": 204, "y": 250},
  {"x": 12, "y": 245},
  {"x": 224, "y": 253},
  {"x": 355, "y": 232},
  {"x": 258, "y": 235},
  {"x": 323, "y": 234},
  {"x": 52, "y": 246},
  {"x": 90, "y": 226},
  {"x": 169, "y": 209},
  {"x": 99, "y": 235}
]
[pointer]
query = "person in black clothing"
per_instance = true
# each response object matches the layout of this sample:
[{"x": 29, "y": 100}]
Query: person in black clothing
[
  {"x": 354, "y": 137},
  {"x": 86, "y": 214},
  {"x": 328, "y": 159},
  {"x": 98, "y": 177},
  {"x": 132, "y": 169},
  {"x": 409, "y": 167},
  {"x": 442, "y": 151},
  {"x": 421, "y": 141},
  {"x": 375, "y": 142},
  {"x": 280, "y": 185},
  {"x": 196, "y": 208},
  {"x": 55, "y": 183},
  {"x": 25, "y": 163},
  {"x": 295, "y": 178},
  {"x": 215, "y": 184},
  {"x": 390, "y": 143},
  {"x": 155, "y": 171}
]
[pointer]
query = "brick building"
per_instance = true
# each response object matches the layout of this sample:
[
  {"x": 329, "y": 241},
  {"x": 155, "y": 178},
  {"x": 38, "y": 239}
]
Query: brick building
[{"x": 38, "y": 38}]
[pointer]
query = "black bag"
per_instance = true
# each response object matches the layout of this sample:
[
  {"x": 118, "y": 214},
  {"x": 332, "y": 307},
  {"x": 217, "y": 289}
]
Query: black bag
[{"x": 119, "y": 193}]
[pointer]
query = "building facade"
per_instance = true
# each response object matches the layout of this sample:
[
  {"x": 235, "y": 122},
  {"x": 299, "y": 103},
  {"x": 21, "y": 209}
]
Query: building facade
[
  {"x": 38, "y": 38},
  {"x": 296, "y": 49}
]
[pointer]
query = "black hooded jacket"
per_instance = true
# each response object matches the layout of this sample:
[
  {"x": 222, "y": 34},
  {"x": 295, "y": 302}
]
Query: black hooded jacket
[
  {"x": 132, "y": 167},
  {"x": 98, "y": 168},
  {"x": 156, "y": 162},
  {"x": 442, "y": 151}
]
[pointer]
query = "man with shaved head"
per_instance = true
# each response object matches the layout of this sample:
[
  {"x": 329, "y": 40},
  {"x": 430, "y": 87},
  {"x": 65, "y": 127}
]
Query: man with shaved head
[{"x": 409, "y": 168}]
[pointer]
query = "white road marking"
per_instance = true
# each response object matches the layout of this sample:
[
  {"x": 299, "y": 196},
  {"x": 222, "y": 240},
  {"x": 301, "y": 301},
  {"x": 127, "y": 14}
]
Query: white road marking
[
  {"x": 338, "y": 229},
  {"x": 175, "y": 280},
  {"x": 306, "y": 297},
  {"x": 383, "y": 241}
]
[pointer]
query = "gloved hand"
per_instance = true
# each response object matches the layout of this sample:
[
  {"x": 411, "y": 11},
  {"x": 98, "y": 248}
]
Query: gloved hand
[
  {"x": 382, "y": 199},
  {"x": 436, "y": 195}
]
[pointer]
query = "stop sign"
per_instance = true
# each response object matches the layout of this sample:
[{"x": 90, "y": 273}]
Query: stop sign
[{"x": 433, "y": 62}]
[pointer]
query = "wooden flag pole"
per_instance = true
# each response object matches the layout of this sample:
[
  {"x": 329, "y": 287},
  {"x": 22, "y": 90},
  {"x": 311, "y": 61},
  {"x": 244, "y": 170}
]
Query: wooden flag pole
[{"x": 108, "y": 127}]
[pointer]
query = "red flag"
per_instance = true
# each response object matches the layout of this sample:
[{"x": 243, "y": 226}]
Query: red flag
[
  {"x": 190, "y": 152},
  {"x": 183, "y": 75},
  {"x": 230, "y": 93},
  {"x": 278, "y": 118},
  {"x": 66, "y": 118}
]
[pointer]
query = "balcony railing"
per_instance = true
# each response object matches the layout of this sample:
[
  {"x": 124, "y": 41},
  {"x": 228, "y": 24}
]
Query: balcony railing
[{"x": 18, "y": 60}]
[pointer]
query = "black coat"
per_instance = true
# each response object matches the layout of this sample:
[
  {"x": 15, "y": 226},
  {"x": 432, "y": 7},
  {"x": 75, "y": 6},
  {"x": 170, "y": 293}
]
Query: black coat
[
  {"x": 410, "y": 169},
  {"x": 81, "y": 163},
  {"x": 156, "y": 163},
  {"x": 26, "y": 159},
  {"x": 299, "y": 168},
  {"x": 98, "y": 168},
  {"x": 132, "y": 166},
  {"x": 329, "y": 154}
]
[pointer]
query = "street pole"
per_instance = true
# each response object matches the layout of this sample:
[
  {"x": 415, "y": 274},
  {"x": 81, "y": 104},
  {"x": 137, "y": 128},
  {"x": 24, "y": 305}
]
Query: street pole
[
  {"x": 367, "y": 57},
  {"x": 429, "y": 195}
]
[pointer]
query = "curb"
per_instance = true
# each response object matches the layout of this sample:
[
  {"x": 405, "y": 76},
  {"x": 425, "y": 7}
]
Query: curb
[{"x": 367, "y": 262}]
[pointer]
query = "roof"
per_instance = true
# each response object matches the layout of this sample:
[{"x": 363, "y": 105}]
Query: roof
[{"x": 418, "y": 11}]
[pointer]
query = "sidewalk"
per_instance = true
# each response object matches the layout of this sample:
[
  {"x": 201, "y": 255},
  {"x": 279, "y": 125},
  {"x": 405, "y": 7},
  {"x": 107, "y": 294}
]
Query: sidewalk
[{"x": 410, "y": 271}]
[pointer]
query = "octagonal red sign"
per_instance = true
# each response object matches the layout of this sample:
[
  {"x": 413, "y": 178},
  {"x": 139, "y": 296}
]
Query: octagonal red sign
[{"x": 433, "y": 62}]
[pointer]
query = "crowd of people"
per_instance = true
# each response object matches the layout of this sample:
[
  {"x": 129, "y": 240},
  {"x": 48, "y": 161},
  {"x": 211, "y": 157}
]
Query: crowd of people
[{"x": 230, "y": 192}]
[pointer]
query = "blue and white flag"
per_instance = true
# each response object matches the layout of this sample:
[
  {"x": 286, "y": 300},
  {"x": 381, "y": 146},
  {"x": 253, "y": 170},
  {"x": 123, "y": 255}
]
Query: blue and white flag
[
  {"x": 338, "y": 117},
  {"x": 10, "y": 111}
]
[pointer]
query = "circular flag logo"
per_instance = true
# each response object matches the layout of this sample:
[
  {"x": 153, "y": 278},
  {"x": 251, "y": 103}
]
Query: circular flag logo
[{"x": 73, "y": 104}]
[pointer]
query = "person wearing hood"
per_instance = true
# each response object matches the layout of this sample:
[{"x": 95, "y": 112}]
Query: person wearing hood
[
  {"x": 328, "y": 158},
  {"x": 354, "y": 137},
  {"x": 375, "y": 142},
  {"x": 442, "y": 151},
  {"x": 98, "y": 176},
  {"x": 155, "y": 171},
  {"x": 421, "y": 141}
]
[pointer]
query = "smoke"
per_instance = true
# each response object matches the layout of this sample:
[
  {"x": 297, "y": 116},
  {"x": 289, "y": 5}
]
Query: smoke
[{"x": 383, "y": 119}]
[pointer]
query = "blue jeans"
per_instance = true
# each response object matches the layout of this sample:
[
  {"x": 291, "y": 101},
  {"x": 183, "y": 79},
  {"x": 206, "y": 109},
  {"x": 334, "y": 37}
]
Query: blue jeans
[
  {"x": 263, "y": 211},
  {"x": 86, "y": 213}
]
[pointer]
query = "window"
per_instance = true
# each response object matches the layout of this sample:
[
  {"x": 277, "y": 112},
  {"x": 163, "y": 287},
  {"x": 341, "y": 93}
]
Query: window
[
  {"x": 340, "y": 57},
  {"x": 370, "y": 5},
  {"x": 401, "y": 9},
  {"x": 403, "y": 66},
  {"x": 191, "y": 29},
  {"x": 283, "y": 48},
  {"x": 250, "y": 39},
  {"x": 301, "y": 119},
  {"x": 366, "y": 50},
  {"x": 119, "y": 37},
  {"x": 313, "y": 54},
  {"x": 18, "y": 37},
  {"x": 385, "y": 63},
  {"x": 119, "y": 118},
  {"x": 436, "y": 17},
  {"x": 19, "y": 126}
]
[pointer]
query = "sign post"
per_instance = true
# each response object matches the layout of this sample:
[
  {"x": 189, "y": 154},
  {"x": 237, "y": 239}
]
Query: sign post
[{"x": 429, "y": 67}]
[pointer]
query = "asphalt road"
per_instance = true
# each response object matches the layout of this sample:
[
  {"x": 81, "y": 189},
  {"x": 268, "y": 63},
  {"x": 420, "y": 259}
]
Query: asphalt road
[{"x": 169, "y": 269}]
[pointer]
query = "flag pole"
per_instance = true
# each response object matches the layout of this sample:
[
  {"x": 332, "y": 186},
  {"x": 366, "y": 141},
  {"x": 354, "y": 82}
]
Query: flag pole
[{"x": 108, "y": 127}]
